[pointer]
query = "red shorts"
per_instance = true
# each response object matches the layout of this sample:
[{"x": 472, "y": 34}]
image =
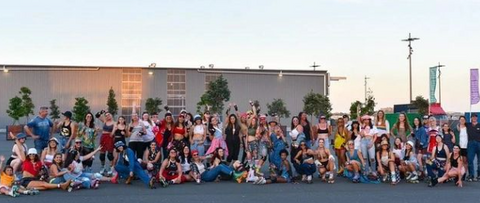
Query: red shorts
[
  {"x": 106, "y": 141},
  {"x": 169, "y": 177}
]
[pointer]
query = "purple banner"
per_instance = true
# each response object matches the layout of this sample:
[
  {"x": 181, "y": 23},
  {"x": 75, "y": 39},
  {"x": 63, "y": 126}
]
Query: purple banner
[{"x": 474, "y": 96}]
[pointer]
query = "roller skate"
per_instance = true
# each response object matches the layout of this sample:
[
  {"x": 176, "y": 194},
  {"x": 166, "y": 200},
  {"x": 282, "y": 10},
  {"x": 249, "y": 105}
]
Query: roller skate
[
  {"x": 151, "y": 183},
  {"x": 163, "y": 183}
]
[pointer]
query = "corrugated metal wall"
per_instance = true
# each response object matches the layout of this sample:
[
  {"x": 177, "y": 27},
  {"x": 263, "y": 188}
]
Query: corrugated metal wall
[
  {"x": 64, "y": 86},
  {"x": 94, "y": 85}
]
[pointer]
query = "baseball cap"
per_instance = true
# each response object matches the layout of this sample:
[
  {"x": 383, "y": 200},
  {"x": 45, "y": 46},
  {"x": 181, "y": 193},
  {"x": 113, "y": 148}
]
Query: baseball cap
[{"x": 67, "y": 114}]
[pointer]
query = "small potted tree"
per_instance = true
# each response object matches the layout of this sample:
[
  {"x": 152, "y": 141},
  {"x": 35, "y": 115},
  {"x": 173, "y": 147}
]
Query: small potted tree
[
  {"x": 80, "y": 109},
  {"x": 112, "y": 102},
  {"x": 152, "y": 105},
  {"x": 15, "y": 111},
  {"x": 278, "y": 108}
]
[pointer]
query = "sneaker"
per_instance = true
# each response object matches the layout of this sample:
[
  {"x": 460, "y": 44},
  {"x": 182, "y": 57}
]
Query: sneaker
[
  {"x": 198, "y": 181},
  {"x": 114, "y": 179}
]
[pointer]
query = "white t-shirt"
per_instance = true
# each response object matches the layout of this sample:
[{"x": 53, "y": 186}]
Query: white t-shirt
[
  {"x": 149, "y": 136},
  {"x": 463, "y": 136}
]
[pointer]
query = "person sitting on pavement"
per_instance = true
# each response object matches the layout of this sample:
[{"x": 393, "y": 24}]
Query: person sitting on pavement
[{"x": 127, "y": 166}]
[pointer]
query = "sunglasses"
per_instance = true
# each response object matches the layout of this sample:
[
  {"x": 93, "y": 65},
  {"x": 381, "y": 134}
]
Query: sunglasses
[
  {"x": 350, "y": 144},
  {"x": 195, "y": 155},
  {"x": 78, "y": 142}
]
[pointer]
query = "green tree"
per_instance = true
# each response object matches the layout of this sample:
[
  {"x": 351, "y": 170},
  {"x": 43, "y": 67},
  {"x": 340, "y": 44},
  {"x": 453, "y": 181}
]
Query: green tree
[
  {"x": 27, "y": 102},
  {"x": 316, "y": 104},
  {"x": 80, "y": 109},
  {"x": 153, "y": 105},
  {"x": 54, "y": 111},
  {"x": 421, "y": 104},
  {"x": 112, "y": 102},
  {"x": 353, "y": 109},
  {"x": 278, "y": 108},
  {"x": 15, "y": 109},
  {"x": 368, "y": 108},
  {"x": 215, "y": 96}
]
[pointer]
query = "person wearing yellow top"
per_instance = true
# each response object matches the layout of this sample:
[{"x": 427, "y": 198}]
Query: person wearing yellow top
[
  {"x": 7, "y": 179},
  {"x": 341, "y": 136}
]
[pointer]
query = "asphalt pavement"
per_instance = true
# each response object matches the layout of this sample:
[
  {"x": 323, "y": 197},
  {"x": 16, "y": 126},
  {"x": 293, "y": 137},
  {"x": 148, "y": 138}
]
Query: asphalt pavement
[{"x": 229, "y": 191}]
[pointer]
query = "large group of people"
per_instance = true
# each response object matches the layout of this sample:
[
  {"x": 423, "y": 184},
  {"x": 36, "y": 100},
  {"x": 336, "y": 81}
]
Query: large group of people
[{"x": 244, "y": 147}]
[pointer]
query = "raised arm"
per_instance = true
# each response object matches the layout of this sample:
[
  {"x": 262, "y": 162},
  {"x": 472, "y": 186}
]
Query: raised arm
[{"x": 88, "y": 156}]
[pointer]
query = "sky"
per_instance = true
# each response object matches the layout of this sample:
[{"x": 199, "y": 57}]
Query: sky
[{"x": 350, "y": 38}]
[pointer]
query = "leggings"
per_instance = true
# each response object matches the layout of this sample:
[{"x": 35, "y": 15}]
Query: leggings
[{"x": 138, "y": 148}]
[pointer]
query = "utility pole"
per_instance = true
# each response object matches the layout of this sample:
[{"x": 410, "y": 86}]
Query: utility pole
[
  {"x": 439, "y": 83},
  {"x": 410, "y": 40},
  {"x": 366, "y": 92},
  {"x": 314, "y": 66}
]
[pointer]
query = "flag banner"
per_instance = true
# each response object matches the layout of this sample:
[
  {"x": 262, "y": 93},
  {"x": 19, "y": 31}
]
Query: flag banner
[
  {"x": 433, "y": 84},
  {"x": 474, "y": 96}
]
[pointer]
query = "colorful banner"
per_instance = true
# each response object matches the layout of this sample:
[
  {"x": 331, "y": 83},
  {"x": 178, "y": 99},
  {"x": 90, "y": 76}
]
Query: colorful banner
[
  {"x": 433, "y": 84},
  {"x": 474, "y": 96}
]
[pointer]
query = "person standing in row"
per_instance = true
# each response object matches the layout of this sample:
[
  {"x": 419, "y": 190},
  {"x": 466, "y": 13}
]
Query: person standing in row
[
  {"x": 473, "y": 149},
  {"x": 307, "y": 129},
  {"x": 136, "y": 131},
  {"x": 39, "y": 128},
  {"x": 87, "y": 133},
  {"x": 402, "y": 128},
  {"x": 68, "y": 131},
  {"x": 233, "y": 137},
  {"x": 106, "y": 141},
  {"x": 198, "y": 135},
  {"x": 463, "y": 141}
]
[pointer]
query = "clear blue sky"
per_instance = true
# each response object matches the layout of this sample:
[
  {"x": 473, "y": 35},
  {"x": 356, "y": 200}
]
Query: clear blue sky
[{"x": 351, "y": 38}]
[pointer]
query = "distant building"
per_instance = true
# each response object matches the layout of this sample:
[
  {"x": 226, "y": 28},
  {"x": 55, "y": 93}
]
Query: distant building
[{"x": 179, "y": 88}]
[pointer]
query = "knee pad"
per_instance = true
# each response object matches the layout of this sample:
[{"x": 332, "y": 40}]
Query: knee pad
[{"x": 110, "y": 156}]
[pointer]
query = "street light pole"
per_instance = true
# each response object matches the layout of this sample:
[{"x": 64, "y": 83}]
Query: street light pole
[
  {"x": 439, "y": 83},
  {"x": 366, "y": 78},
  {"x": 409, "y": 40}
]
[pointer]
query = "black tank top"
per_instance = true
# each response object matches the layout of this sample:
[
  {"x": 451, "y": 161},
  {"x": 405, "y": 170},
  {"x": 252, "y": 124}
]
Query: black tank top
[
  {"x": 118, "y": 133},
  {"x": 441, "y": 153},
  {"x": 166, "y": 137},
  {"x": 306, "y": 131},
  {"x": 66, "y": 130},
  {"x": 152, "y": 154},
  {"x": 454, "y": 162},
  {"x": 172, "y": 166},
  {"x": 322, "y": 131}
]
